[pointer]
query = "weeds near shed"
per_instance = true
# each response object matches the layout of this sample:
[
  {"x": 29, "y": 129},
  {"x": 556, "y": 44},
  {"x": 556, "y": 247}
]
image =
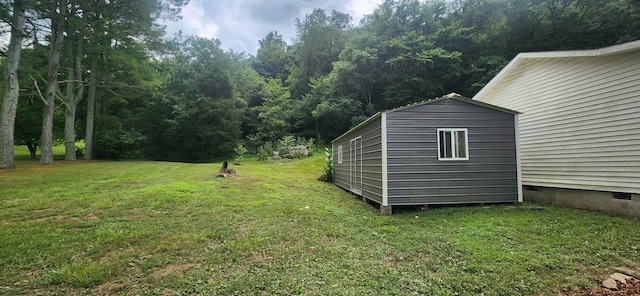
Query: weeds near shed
[{"x": 327, "y": 170}]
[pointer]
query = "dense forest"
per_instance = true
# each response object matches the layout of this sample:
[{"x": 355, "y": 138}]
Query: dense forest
[{"x": 102, "y": 72}]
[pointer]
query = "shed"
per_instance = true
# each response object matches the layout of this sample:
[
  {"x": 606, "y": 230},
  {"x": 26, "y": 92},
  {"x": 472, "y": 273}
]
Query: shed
[
  {"x": 449, "y": 150},
  {"x": 580, "y": 127}
]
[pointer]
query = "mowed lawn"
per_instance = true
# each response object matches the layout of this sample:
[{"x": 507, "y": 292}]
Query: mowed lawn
[{"x": 162, "y": 228}]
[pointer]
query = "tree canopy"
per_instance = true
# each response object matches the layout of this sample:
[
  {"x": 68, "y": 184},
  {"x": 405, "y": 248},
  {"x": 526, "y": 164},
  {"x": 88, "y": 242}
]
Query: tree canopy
[{"x": 129, "y": 93}]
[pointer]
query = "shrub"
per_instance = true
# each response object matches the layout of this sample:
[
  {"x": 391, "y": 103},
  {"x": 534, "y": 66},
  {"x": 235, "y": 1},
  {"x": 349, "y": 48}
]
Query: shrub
[
  {"x": 253, "y": 143},
  {"x": 80, "y": 148},
  {"x": 240, "y": 151},
  {"x": 119, "y": 144},
  {"x": 262, "y": 153},
  {"x": 285, "y": 144},
  {"x": 327, "y": 171}
]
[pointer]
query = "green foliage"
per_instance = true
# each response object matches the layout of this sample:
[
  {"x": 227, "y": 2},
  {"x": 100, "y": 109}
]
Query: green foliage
[
  {"x": 253, "y": 142},
  {"x": 82, "y": 275},
  {"x": 198, "y": 115},
  {"x": 273, "y": 115},
  {"x": 120, "y": 144},
  {"x": 272, "y": 59},
  {"x": 240, "y": 151},
  {"x": 80, "y": 145},
  {"x": 285, "y": 143},
  {"x": 321, "y": 39},
  {"x": 196, "y": 101},
  {"x": 262, "y": 153},
  {"x": 265, "y": 151},
  {"x": 327, "y": 170}
]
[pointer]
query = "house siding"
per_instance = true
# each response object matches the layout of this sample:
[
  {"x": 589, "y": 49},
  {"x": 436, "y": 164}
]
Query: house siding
[
  {"x": 416, "y": 176},
  {"x": 580, "y": 127},
  {"x": 371, "y": 159}
]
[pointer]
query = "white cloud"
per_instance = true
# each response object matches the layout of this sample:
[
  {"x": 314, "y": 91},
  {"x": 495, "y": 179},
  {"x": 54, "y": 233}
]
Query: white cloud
[
  {"x": 239, "y": 24},
  {"x": 194, "y": 22},
  {"x": 360, "y": 8}
]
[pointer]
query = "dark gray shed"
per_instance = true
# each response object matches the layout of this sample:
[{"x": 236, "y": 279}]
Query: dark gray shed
[{"x": 449, "y": 150}]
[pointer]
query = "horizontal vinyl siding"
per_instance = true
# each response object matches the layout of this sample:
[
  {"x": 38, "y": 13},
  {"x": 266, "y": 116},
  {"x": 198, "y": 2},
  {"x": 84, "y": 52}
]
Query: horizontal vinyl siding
[
  {"x": 371, "y": 160},
  {"x": 580, "y": 126},
  {"x": 341, "y": 170},
  {"x": 415, "y": 174}
]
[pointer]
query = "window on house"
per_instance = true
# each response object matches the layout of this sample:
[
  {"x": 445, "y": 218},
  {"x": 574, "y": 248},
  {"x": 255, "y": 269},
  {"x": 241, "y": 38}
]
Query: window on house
[
  {"x": 340, "y": 154},
  {"x": 453, "y": 144}
]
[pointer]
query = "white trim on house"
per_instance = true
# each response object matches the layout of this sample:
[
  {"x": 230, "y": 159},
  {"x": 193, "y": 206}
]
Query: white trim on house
[
  {"x": 354, "y": 185},
  {"x": 453, "y": 146},
  {"x": 333, "y": 173},
  {"x": 523, "y": 57},
  {"x": 339, "y": 154},
  {"x": 518, "y": 162},
  {"x": 385, "y": 176}
]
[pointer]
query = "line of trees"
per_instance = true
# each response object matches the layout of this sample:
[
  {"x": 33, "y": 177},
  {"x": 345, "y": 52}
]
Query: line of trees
[{"x": 98, "y": 70}]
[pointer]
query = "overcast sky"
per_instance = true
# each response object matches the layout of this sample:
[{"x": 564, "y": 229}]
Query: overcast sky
[{"x": 239, "y": 24}]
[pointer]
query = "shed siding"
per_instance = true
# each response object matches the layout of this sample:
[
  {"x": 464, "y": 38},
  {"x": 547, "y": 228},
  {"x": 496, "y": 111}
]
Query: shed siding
[
  {"x": 416, "y": 176},
  {"x": 580, "y": 127},
  {"x": 371, "y": 160}
]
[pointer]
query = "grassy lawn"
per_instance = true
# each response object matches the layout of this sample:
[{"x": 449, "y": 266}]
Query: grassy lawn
[{"x": 149, "y": 228}]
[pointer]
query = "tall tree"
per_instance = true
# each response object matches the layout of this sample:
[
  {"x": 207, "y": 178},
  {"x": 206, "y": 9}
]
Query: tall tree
[
  {"x": 116, "y": 28},
  {"x": 321, "y": 38},
  {"x": 197, "y": 114},
  {"x": 275, "y": 112},
  {"x": 75, "y": 32},
  {"x": 58, "y": 12},
  {"x": 91, "y": 109},
  {"x": 12, "y": 86},
  {"x": 272, "y": 59}
]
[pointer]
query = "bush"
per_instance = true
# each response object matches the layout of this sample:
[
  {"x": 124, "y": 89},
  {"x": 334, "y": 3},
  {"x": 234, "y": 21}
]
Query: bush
[
  {"x": 285, "y": 144},
  {"x": 253, "y": 143},
  {"x": 262, "y": 153},
  {"x": 287, "y": 147},
  {"x": 327, "y": 171},
  {"x": 119, "y": 144},
  {"x": 240, "y": 151},
  {"x": 80, "y": 148}
]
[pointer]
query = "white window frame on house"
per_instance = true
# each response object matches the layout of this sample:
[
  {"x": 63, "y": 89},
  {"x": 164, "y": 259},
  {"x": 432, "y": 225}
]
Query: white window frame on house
[
  {"x": 453, "y": 146},
  {"x": 340, "y": 154}
]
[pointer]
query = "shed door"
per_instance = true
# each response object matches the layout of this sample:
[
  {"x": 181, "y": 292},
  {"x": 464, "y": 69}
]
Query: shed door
[{"x": 356, "y": 165}]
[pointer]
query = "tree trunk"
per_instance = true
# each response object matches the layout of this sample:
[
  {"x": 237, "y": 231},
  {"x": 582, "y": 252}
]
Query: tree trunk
[
  {"x": 58, "y": 14},
  {"x": 12, "y": 87},
  {"x": 75, "y": 89},
  {"x": 91, "y": 111},
  {"x": 70, "y": 132},
  {"x": 33, "y": 148}
]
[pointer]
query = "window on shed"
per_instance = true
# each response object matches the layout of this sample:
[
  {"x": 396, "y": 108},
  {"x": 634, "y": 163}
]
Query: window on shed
[
  {"x": 453, "y": 144},
  {"x": 340, "y": 154}
]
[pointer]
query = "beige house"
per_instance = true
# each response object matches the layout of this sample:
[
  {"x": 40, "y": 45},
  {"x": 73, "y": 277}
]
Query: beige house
[{"x": 579, "y": 127}]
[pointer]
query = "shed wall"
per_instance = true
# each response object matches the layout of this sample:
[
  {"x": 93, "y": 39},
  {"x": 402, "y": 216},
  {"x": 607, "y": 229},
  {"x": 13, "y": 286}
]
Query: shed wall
[
  {"x": 580, "y": 127},
  {"x": 416, "y": 176},
  {"x": 371, "y": 160}
]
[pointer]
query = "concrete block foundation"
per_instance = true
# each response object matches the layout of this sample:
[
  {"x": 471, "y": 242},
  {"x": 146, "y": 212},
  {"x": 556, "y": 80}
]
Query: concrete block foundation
[{"x": 623, "y": 204}]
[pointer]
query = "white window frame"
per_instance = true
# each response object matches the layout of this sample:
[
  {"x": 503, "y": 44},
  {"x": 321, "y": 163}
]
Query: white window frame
[
  {"x": 453, "y": 146},
  {"x": 340, "y": 154}
]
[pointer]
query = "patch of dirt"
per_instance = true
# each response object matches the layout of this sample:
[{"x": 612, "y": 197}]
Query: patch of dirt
[
  {"x": 93, "y": 216},
  {"x": 173, "y": 268},
  {"x": 631, "y": 288},
  {"x": 34, "y": 272},
  {"x": 111, "y": 288}
]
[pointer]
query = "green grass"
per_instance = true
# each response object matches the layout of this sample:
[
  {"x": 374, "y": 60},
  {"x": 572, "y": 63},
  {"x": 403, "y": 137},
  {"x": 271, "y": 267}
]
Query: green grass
[
  {"x": 148, "y": 228},
  {"x": 22, "y": 152}
]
